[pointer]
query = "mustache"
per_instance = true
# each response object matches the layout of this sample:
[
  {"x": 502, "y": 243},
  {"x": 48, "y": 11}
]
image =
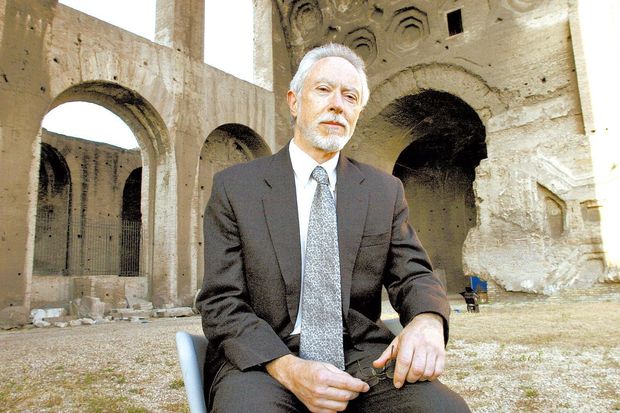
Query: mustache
[{"x": 333, "y": 117}]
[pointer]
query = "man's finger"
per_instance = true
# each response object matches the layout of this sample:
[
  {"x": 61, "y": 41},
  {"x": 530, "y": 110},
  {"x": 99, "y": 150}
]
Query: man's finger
[
  {"x": 333, "y": 393},
  {"x": 440, "y": 364},
  {"x": 429, "y": 369},
  {"x": 327, "y": 405},
  {"x": 390, "y": 352},
  {"x": 418, "y": 365},
  {"x": 341, "y": 380},
  {"x": 403, "y": 364}
]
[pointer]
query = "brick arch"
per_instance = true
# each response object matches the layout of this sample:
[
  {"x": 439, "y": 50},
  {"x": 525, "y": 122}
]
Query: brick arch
[
  {"x": 224, "y": 146},
  {"x": 158, "y": 161},
  {"x": 456, "y": 80},
  {"x": 135, "y": 110}
]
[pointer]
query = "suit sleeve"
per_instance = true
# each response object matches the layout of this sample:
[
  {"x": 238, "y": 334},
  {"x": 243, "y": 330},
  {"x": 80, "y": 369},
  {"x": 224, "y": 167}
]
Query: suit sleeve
[
  {"x": 228, "y": 320},
  {"x": 412, "y": 286}
]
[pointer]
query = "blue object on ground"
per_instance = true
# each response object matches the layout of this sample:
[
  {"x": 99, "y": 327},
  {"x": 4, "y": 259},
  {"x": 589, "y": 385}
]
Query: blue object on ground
[{"x": 477, "y": 284}]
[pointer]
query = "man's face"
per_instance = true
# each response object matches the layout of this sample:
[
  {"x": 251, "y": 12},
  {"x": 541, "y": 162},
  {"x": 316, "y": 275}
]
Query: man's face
[{"x": 329, "y": 106}]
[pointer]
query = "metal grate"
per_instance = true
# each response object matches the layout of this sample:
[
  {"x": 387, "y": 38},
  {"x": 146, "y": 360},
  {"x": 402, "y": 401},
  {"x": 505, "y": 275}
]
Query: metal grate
[{"x": 87, "y": 247}]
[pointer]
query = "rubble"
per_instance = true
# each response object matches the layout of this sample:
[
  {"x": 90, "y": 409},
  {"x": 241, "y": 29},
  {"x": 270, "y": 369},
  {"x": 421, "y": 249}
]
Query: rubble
[{"x": 173, "y": 312}]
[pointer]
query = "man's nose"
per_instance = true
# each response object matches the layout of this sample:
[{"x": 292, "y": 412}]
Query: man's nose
[{"x": 336, "y": 103}]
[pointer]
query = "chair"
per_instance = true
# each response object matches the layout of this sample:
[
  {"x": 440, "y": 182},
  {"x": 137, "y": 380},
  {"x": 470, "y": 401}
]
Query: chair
[{"x": 192, "y": 348}]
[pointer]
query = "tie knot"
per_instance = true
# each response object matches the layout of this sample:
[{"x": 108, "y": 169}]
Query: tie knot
[{"x": 320, "y": 175}]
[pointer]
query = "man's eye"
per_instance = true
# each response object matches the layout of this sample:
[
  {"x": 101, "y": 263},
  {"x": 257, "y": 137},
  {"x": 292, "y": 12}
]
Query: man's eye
[
  {"x": 352, "y": 98},
  {"x": 323, "y": 88}
]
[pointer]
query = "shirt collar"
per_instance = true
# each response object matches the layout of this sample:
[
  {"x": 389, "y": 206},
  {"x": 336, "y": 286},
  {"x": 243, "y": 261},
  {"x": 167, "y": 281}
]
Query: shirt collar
[{"x": 303, "y": 165}]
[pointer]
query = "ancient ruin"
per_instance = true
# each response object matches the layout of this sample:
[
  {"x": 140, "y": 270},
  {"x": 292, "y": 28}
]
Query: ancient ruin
[{"x": 498, "y": 116}]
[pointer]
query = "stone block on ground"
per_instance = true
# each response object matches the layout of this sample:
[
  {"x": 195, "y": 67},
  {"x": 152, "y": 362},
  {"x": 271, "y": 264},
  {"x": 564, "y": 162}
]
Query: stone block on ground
[
  {"x": 75, "y": 323},
  {"x": 91, "y": 307},
  {"x": 37, "y": 315},
  {"x": 64, "y": 318},
  {"x": 87, "y": 321},
  {"x": 61, "y": 324},
  {"x": 139, "y": 304},
  {"x": 41, "y": 324},
  {"x": 128, "y": 313},
  {"x": 173, "y": 312},
  {"x": 13, "y": 317}
]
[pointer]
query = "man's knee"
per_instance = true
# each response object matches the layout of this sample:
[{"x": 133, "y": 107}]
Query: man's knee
[
  {"x": 242, "y": 392},
  {"x": 435, "y": 397}
]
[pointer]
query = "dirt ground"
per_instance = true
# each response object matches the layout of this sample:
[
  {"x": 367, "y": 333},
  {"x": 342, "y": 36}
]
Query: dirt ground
[{"x": 527, "y": 357}]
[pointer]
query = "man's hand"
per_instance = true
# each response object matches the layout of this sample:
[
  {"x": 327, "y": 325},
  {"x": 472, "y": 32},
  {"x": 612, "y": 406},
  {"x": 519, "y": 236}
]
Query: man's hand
[
  {"x": 321, "y": 387},
  {"x": 419, "y": 350}
]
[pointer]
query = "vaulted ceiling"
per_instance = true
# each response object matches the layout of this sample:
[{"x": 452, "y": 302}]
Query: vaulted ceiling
[{"x": 374, "y": 29}]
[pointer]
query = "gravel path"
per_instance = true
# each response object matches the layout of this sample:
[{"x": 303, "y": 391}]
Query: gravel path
[{"x": 538, "y": 357}]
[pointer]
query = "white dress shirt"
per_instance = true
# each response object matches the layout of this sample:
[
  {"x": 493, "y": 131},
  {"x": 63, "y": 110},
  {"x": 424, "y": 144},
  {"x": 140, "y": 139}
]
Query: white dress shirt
[{"x": 305, "y": 187}]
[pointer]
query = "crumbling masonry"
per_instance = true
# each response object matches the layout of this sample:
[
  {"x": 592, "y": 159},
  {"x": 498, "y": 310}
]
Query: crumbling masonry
[{"x": 499, "y": 117}]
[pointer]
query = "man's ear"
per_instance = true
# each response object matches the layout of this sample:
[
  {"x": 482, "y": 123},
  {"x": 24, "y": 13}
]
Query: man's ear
[{"x": 291, "y": 98}]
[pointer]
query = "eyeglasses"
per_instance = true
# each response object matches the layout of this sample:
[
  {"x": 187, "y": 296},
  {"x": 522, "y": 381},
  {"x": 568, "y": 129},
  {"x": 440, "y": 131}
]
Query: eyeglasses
[{"x": 373, "y": 376}]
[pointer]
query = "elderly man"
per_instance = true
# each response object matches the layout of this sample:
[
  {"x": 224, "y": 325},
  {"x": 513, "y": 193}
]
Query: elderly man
[{"x": 297, "y": 248}]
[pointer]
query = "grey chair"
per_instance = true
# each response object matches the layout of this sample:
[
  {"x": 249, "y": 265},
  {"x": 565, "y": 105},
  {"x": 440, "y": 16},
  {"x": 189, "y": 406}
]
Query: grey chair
[{"x": 192, "y": 348}]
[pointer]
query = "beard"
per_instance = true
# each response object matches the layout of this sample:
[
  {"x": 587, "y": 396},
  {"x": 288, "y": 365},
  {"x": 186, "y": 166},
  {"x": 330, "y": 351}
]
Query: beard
[{"x": 332, "y": 142}]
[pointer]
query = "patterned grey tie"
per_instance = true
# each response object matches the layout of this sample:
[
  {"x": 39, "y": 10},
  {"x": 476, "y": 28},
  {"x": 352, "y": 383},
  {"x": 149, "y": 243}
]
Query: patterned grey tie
[{"x": 321, "y": 322}]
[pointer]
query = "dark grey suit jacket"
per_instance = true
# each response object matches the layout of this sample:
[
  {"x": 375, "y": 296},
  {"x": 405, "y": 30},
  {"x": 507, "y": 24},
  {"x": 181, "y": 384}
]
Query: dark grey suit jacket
[{"x": 250, "y": 295}]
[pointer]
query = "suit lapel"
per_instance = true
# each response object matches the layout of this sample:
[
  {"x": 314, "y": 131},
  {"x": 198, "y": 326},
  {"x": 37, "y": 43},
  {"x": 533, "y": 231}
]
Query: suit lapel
[
  {"x": 351, "y": 207},
  {"x": 280, "y": 208}
]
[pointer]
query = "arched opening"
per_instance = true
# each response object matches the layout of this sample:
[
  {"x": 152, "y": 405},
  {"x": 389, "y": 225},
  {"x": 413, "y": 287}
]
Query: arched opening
[
  {"x": 225, "y": 146},
  {"x": 108, "y": 184},
  {"x": 131, "y": 225},
  {"x": 90, "y": 139},
  {"x": 53, "y": 214},
  {"x": 447, "y": 142}
]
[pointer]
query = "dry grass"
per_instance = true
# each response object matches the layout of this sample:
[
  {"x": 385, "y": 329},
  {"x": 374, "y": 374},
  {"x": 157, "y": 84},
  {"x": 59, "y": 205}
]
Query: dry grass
[
  {"x": 539, "y": 357},
  {"x": 508, "y": 358}
]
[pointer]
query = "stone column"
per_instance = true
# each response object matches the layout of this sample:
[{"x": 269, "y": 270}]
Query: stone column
[
  {"x": 593, "y": 26},
  {"x": 263, "y": 50},
  {"x": 24, "y": 98},
  {"x": 180, "y": 24}
]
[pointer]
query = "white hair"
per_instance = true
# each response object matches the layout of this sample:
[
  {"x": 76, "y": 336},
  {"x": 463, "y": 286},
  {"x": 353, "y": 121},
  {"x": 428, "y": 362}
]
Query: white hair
[{"x": 330, "y": 50}]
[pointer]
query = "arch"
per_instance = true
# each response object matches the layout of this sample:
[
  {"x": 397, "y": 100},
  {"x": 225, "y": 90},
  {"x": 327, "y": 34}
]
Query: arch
[
  {"x": 226, "y": 145},
  {"x": 453, "y": 79},
  {"x": 131, "y": 225},
  {"x": 141, "y": 117},
  {"x": 158, "y": 174},
  {"x": 53, "y": 213},
  {"x": 445, "y": 142}
]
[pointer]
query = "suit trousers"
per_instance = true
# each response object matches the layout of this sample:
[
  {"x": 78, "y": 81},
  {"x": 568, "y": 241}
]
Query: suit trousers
[{"x": 256, "y": 391}]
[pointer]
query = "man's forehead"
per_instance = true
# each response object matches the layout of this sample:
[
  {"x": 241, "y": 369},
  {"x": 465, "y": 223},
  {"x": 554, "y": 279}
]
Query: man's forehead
[{"x": 332, "y": 69}]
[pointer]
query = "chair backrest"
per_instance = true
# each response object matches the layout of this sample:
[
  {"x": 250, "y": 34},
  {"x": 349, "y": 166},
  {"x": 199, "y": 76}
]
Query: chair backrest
[{"x": 192, "y": 351}]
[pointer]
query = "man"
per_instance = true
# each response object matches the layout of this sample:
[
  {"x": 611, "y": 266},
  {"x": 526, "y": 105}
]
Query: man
[{"x": 279, "y": 250}]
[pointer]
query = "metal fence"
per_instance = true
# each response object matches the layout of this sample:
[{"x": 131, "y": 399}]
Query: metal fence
[{"x": 87, "y": 247}]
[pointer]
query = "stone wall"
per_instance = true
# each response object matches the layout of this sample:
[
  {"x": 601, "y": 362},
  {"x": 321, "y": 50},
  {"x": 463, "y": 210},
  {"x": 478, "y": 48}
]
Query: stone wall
[
  {"x": 529, "y": 198},
  {"x": 51, "y": 54},
  {"x": 79, "y": 226},
  {"x": 507, "y": 127}
]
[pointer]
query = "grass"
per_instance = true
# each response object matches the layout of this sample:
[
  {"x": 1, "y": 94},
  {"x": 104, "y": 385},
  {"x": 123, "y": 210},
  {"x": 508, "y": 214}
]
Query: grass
[
  {"x": 530, "y": 392},
  {"x": 176, "y": 384},
  {"x": 100, "y": 404},
  {"x": 559, "y": 357}
]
